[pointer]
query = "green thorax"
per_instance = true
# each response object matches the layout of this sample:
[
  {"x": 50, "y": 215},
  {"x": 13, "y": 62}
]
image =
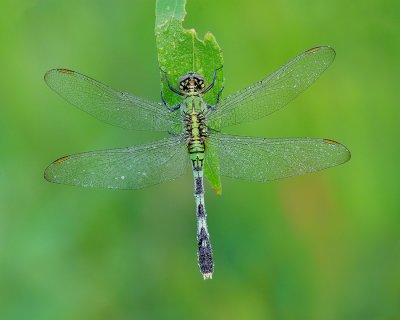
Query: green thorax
[
  {"x": 193, "y": 104},
  {"x": 193, "y": 108}
]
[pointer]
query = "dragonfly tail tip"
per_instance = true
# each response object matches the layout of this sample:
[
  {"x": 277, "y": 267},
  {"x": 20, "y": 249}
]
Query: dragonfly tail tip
[{"x": 207, "y": 276}]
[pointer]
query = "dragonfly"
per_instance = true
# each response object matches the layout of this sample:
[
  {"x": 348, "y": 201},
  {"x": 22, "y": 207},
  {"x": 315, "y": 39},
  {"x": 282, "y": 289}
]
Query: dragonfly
[{"x": 194, "y": 137}]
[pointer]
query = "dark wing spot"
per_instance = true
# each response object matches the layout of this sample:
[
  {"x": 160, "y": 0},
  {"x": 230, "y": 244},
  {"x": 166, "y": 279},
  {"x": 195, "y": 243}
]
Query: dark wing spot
[
  {"x": 66, "y": 71},
  {"x": 61, "y": 160},
  {"x": 328, "y": 141},
  {"x": 313, "y": 50}
]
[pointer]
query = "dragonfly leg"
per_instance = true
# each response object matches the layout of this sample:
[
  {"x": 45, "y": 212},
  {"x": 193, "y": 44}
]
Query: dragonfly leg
[
  {"x": 218, "y": 97},
  {"x": 213, "y": 82},
  {"x": 213, "y": 130},
  {"x": 215, "y": 107},
  {"x": 173, "y": 134},
  {"x": 172, "y": 109},
  {"x": 169, "y": 83}
]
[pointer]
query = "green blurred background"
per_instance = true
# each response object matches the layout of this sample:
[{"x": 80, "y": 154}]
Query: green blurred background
[{"x": 324, "y": 246}]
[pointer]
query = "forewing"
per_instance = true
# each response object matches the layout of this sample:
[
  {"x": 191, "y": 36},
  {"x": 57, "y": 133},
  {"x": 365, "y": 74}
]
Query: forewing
[
  {"x": 126, "y": 168},
  {"x": 111, "y": 106},
  {"x": 259, "y": 159},
  {"x": 274, "y": 91}
]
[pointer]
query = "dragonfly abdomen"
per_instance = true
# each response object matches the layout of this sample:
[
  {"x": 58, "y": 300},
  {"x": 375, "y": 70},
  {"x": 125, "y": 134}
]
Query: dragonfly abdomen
[
  {"x": 195, "y": 134},
  {"x": 204, "y": 249}
]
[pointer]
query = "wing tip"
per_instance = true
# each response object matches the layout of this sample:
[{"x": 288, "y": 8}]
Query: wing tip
[
  {"x": 48, "y": 174},
  {"x": 47, "y": 74},
  {"x": 322, "y": 48},
  {"x": 346, "y": 151},
  {"x": 57, "y": 70},
  {"x": 319, "y": 48}
]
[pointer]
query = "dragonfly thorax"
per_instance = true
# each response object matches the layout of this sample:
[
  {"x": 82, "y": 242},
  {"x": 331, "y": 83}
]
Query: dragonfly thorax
[{"x": 191, "y": 84}]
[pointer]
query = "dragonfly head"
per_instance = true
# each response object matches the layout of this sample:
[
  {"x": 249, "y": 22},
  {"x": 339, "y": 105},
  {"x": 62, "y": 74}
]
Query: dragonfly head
[{"x": 191, "y": 83}]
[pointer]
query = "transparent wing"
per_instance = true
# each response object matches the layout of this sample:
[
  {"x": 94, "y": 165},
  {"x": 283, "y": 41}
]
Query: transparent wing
[
  {"x": 260, "y": 159},
  {"x": 111, "y": 106},
  {"x": 274, "y": 91},
  {"x": 127, "y": 168}
]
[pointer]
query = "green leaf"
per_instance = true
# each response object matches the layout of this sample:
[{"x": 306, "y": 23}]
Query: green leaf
[{"x": 181, "y": 51}]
